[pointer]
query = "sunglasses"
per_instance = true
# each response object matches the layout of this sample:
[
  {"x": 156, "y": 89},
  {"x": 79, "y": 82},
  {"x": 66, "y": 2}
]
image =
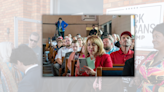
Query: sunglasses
[{"x": 33, "y": 40}]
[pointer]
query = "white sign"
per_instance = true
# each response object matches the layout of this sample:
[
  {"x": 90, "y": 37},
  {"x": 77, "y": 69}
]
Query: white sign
[{"x": 146, "y": 18}]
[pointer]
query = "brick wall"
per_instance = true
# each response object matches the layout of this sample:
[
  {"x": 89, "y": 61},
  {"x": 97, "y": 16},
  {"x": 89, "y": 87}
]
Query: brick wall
[{"x": 30, "y": 9}]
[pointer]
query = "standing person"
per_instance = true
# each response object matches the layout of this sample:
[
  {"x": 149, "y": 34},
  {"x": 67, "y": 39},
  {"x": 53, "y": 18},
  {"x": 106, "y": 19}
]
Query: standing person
[
  {"x": 33, "y": 40},
  {"x": 24, "y": 59},
  {"x": 119, "y": 57},
  {"x": 93, "y": 31},
  {"x": 151, "y": 71},
  {"x": 61, "y": 25},
  {"x": 8, "y": 74}
]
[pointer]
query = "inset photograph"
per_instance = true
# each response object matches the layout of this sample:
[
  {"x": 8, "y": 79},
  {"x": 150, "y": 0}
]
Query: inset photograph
[{"x": 88, "y": 45}]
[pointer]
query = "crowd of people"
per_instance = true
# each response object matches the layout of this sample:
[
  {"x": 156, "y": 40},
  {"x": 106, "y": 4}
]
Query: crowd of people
[
  {"x": 100, "y": 52},
  {"x": 20, "y": 67}
]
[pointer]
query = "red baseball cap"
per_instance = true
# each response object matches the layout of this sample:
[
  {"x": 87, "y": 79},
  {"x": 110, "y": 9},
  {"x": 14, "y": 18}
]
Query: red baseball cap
[{"x": 127, "y": 33}]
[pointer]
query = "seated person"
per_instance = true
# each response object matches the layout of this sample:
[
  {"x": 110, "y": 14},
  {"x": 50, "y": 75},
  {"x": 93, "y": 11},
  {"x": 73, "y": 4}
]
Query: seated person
[
  {"x": 78, "y": 36},
  {"x": 109, "y": 45},
  {"x": 75, "y": 46},
  {"x": 61, "y": 53},
  {"x": 74, "y": 56},
  {"x": 64, "y": 42},
  {"x": 74, "y": 38},
  {"x": 59, "y": 45},
  {"x": 80, "y": 41},
  {"x": 94, "y": 49},
  {"x": 71, "y": 57},
  {"x": 119, "y": 57},
  {"x": 69, "y": 35}
]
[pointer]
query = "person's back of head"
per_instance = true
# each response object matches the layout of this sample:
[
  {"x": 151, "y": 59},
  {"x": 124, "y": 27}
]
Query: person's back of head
[{"x": 24, "y": 54}]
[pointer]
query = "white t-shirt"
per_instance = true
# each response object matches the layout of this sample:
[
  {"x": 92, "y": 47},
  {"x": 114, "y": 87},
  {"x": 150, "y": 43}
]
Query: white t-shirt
[
  {"x": 62, "y": 51},
  {"x": 54, "y": 43}
]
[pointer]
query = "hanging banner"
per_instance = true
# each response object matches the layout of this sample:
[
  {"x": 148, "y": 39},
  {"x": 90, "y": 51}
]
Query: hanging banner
[{"x": 146, "y": 18}]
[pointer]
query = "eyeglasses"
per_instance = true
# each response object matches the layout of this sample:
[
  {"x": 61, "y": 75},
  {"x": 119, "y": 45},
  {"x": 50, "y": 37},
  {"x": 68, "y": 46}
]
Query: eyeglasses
[{"x": 33, "y": 40}]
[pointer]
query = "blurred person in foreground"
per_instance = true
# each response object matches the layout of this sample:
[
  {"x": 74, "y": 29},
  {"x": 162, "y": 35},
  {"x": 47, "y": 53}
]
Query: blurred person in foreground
[
  {"x": 8, "y": 74},
  {"x": 151, "y": 71},
  {"x": 94, "y": 49},
  {"x": 33, "y": 40},
  {"x": 109, "y": 45},
  {"x": 120, "y": 56},
  {"x": 24, "y": 59}
]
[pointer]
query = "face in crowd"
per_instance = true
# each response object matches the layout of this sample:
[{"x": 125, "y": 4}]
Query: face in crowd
[
  {"x": 107, "y": 44},
  {"x": 75, "y": 47},
  {"x": 74, "y": 38},
  {"x": 93, "y": 27},
  {"x": 64, "y": 42},
  {"x": 92, "y": 48},
  {"x": 60, "y": 43},
  {"x": 68, "y": 42},
  {"x": 33, "y": 40},
  {"x": 158, "y": 40},
  {"x": 69, "y": 35},
  {"x": 80, "y": 41},
  {"x": 125, "y": 40},
  {"x": 114, "y": 37},
  {"x": 60, "y": 20}
]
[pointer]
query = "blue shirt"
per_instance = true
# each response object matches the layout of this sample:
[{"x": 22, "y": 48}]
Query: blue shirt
[{"x": 112, "y": 50}]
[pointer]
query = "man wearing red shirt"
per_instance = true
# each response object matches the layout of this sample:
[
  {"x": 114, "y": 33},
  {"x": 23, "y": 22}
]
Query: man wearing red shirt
[{"x": 120, "y": 56}]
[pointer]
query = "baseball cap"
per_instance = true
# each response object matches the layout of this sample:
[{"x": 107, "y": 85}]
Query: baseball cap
[{"x": 127, "y": 33}]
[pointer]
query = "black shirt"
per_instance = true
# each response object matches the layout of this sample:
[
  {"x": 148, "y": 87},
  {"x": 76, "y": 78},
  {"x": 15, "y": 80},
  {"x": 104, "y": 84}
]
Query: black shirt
[{"x": 93, "y": 32}]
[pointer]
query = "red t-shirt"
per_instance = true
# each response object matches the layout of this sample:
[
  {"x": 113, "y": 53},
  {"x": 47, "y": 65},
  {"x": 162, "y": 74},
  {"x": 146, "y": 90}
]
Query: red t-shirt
[{"x": 119, "y": 57}]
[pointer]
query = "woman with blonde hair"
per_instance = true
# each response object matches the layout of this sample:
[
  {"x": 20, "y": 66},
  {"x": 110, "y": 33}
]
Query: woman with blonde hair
[{"x": 94, "y": 49}]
